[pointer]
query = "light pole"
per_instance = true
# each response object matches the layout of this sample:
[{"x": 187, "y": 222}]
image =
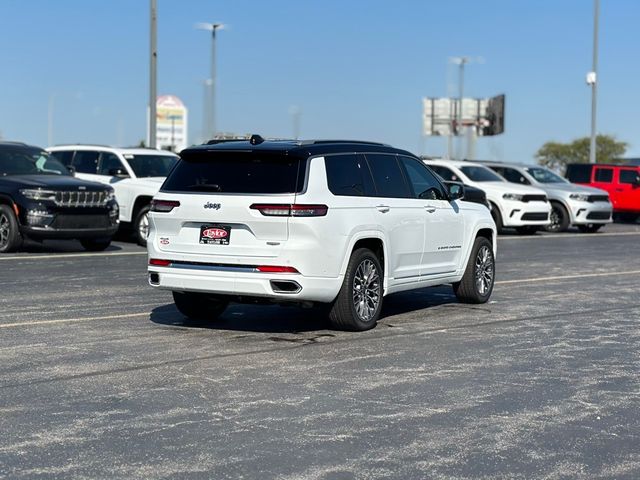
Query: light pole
[
  {"x": 153, "y": 70},
  {"x": 295, "y": 113},
  {"x": 213, "y": 28},
  {"x": 461, "y": 62},
  {"x": 592, "y": 80}
]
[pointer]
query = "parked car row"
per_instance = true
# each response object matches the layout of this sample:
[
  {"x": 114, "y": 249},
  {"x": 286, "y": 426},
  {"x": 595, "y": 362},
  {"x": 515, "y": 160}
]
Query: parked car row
[{"x": 77, "y": 192}]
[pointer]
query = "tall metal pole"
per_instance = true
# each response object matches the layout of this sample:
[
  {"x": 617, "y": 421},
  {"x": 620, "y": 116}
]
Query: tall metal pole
[
  {"x": 463, "y": 61},
  {"x": 50, "y": 119},
  {"x": 594, "y": 82},
  {"x": 153, "y": 71},
  {"x": 212, "y": 124}
]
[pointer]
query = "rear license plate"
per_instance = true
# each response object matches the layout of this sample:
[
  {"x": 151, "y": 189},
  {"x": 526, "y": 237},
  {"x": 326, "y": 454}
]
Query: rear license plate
[{"x": 215, "y": 234}]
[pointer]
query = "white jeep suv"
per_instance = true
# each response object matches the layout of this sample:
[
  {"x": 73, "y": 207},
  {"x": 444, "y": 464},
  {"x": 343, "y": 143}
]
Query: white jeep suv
[
  {"x": 134, "y": 173},
  {"x": 524, "y": 208},
  {"x": 334, "y": 224}
]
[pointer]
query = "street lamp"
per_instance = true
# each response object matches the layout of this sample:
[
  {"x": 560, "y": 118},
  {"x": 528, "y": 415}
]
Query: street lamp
[
  {"x": 153, "y": 70},
  {"x": 211, "y": 112}
]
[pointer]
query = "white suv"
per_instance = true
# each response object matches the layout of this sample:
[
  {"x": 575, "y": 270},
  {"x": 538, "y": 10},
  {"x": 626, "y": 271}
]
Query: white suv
[
  {"x": 134, "y": 173},
  {"x": 524, "y": 208},
  {"x": 333, "y": 224}
]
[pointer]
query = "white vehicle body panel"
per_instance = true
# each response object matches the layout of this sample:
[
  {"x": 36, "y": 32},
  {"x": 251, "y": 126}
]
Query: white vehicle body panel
[
  {"x": 512, "y": 211},
  {"x": 425, "y": 242}
]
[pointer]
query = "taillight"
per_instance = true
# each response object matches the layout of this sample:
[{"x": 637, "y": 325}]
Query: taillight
[
  {"x": 288, "y": 210},
  {"x": 276, "y": 269},
  {"x": 159, "y": 262},
  {"x": 164, "y": 205}
]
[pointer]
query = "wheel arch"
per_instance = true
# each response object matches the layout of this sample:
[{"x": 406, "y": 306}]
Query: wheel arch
[
  {"x": 140, "y": 201},
  {"x": 375, "y": 242}
]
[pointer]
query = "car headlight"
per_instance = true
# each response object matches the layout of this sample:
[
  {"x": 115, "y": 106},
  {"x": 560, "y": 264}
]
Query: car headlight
[
  {"x": 512, "y": 196},
  {"x": 581, "y": 197},
  {"x": 37, "y": 194},
  {"x": 111, "y": 195}
]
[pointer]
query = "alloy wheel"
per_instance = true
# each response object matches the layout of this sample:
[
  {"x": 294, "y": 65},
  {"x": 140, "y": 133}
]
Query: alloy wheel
[
  {"x": 554, "y": 218},
  {"x": 5, "y": 231},
  {"x": 484, "y": 270},
  {"x": 143, "y": 226},
  {"x": 366, "y": 290}
]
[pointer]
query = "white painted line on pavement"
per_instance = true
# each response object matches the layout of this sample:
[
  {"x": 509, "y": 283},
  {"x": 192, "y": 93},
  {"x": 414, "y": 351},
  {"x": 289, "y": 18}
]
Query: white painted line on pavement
[
  {"x": 73, "y": 320},
  {"x": 554, "y": 236},
  {"x": 72, "y": 255},
  {"x": 568, "y": 277}
]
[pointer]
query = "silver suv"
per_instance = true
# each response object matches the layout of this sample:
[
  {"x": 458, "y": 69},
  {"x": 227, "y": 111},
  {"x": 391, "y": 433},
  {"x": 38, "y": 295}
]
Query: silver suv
[{"x": 585, "y": 207}]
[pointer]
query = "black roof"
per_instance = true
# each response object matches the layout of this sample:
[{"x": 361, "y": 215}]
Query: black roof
[{"x": 301, "y": 148}]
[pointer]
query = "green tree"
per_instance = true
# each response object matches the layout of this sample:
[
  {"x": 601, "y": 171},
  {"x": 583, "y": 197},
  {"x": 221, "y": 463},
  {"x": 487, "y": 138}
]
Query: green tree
[{"x": 556, "y": 156}]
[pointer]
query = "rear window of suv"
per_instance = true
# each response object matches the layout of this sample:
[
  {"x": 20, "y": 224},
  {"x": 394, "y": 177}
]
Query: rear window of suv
[{"x": 237, "y": 172}]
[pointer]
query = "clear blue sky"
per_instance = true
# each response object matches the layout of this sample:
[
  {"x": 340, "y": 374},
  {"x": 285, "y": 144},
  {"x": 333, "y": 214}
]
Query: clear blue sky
[{"x": 357, "y": 69}]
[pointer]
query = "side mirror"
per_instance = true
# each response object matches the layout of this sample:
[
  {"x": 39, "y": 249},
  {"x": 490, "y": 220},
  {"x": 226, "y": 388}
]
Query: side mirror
[
  {"x": 72, "y": 170},
  {"x": 455, "y": 190},
  {"x": 118, "y": 172},
  {"x": 637, "y": 182}
]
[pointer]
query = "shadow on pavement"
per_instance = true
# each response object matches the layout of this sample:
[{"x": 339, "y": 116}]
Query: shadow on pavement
[
  {"x": 59, "y": 246},
  {"x": 279, "y": 319}
]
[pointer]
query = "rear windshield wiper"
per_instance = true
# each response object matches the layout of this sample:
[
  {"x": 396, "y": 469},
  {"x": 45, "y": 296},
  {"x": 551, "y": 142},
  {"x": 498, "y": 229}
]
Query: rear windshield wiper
[{"x": 211, "y": 187}]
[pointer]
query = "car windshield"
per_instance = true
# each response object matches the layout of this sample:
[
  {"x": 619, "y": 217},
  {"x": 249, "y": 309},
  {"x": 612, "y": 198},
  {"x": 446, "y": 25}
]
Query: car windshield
[
  {"x": 144, "y": 165},
  {"x": 29, "y": 161},
  {"x": 543, "y": 175},
  {"x": 481, "y": 174}
]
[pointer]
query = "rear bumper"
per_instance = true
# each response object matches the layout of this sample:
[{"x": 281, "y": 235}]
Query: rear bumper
[{"x": 241, "y": 281}]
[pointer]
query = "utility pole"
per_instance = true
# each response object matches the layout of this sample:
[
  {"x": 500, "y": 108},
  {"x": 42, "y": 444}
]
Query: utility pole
[
  {"x": 210, "y": 111},
  {"x": 153, "y": 71},
  {"x": 592, "y": 79},
  {"x": 295, "y": 112}
]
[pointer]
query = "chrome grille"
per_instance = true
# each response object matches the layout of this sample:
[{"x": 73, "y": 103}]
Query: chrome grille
[{"x": 81, "y": 199}]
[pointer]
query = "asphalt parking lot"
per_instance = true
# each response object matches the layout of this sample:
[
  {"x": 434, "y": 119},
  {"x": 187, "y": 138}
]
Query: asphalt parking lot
[{"x": 100, "y": 376}]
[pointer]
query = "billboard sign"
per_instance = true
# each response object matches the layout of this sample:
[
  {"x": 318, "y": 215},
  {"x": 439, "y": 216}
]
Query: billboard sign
[{"x": 171, "y": 123}]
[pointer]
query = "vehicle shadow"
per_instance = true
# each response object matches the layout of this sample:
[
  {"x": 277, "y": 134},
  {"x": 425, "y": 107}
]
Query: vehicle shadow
[
  {"x": 59, "y": 246},
  {"x": 276, "y": 319}
]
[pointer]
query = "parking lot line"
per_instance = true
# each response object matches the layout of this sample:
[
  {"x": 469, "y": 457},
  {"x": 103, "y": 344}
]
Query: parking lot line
[
  {"x": 567, "y": 277},
  {"x": 73, "y": 320},
  {"x": 555, "y": 236},
  {"x": 71, "y": 255}
]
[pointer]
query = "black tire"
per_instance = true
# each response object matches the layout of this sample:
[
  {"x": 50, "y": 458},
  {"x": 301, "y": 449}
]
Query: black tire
[
  {"x": 469, "y": 290},
  {"x": 10, "y": 238},
  {"x": 559, "y": 219},
  {"x": 141, "y": 225},
  {"x": 346, "y": 312},
  {"x": 95, "y": 244},
  {"x": 590, "y": 227},
  {"x": 497, "y": 217},
  {"x": 199, "y": 306},
  {"x": 527, "y": 229}
]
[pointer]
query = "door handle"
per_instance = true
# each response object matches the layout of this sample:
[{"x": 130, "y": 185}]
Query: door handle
[
  {"x": 429, "y": 208},
  {"x": 382, "y": 208}
]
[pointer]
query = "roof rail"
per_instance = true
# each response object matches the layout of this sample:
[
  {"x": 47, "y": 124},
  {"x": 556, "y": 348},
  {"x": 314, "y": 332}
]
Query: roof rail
[
  {"x": 83, "y": 145},
  {"x": 359, "y": 142}
]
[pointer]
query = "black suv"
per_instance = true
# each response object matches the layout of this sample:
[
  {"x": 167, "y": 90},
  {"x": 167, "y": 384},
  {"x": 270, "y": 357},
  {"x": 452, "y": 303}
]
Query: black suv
[{"x": 40, "y": 199}]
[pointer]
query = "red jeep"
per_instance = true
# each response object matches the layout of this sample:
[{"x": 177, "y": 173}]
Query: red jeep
[{"x": 621, "y": 181}]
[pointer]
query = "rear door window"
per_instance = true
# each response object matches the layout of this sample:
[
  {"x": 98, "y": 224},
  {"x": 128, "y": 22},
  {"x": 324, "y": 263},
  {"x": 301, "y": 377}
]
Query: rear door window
[
  {"x": 86, "y": 161},
  {"x": 349, "y": 175},
  {"x": 604, "y": 175},
  {"x": 388, "y": 176},
  {"x": 237, "y": 172}
]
